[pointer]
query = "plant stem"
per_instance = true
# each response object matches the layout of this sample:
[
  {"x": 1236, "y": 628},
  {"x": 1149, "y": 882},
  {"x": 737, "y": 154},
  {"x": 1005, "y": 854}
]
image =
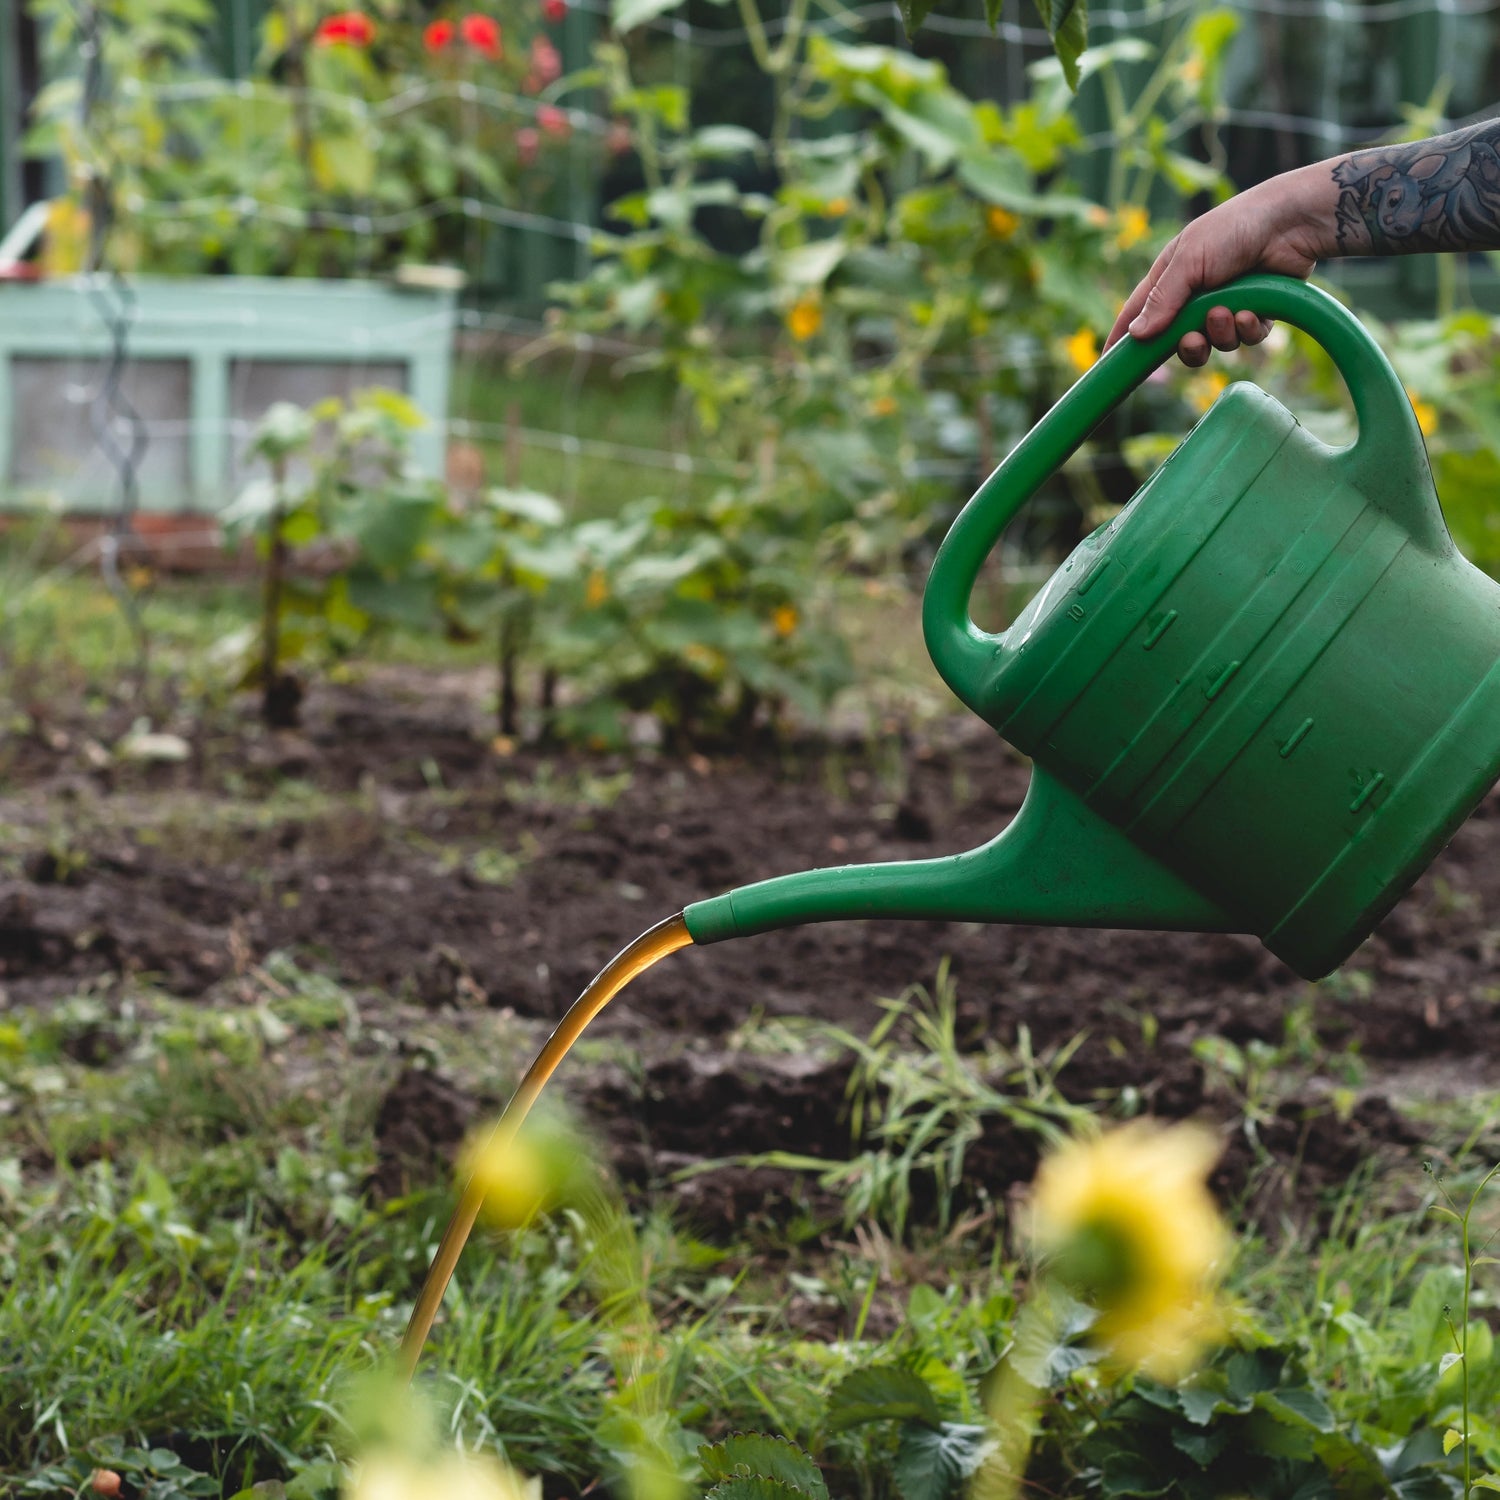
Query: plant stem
[{"x": 270, "y": 658}]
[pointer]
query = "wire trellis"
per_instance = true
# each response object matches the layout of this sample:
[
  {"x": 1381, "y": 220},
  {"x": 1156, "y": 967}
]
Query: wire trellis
[{"x": 1326, "y": 124}]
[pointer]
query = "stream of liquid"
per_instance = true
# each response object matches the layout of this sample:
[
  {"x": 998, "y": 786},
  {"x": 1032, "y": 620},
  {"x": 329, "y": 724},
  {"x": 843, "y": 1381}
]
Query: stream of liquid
[{"x": 666, "y": 937}]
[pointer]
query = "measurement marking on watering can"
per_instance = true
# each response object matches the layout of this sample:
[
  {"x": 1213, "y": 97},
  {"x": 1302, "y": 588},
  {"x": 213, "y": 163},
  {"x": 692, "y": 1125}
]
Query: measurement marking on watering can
[
  {"x": 1158, "y": 630},
  {"x": 1295, "y": 738},
  {"x": 1367, "y": 791},
  {"x": 1093, "y": 576},
  {"x": 1220, "y": 682}
]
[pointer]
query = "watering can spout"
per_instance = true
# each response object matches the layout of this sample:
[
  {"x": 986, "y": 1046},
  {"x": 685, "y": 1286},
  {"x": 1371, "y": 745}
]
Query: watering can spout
[{"x": 1058, "y": 864}]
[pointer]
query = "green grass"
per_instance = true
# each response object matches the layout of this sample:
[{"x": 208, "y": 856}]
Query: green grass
[
  {"x": 192, "y": 1273},
  {"x": 192, "y": 1266}
]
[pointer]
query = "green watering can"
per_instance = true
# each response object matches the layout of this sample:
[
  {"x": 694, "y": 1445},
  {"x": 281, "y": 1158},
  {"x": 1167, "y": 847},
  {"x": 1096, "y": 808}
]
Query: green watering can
[{"x": 1260, "y": 699}]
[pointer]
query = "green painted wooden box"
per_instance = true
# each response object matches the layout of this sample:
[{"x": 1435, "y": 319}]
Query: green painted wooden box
[{"x": 206, "y": 356}]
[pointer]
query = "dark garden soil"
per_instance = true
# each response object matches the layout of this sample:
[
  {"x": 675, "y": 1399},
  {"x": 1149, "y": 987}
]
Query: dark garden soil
[{"x": 389, "y": 842}]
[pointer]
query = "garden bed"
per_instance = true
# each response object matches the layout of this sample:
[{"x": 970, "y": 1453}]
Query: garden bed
[{"x": 392, "y": 846}]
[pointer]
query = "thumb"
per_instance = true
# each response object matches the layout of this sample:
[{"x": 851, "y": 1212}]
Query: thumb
[{"x": 1165, "y": 300}]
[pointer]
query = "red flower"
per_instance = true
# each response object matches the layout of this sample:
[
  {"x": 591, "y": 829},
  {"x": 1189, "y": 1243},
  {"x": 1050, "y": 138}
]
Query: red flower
[
  {"x": 546, "y": 63},
  {"x": 438, "y": 36},
  {"x": 528, "y": 142},
  {"x": 552, "y": 120},
  {"x": 482, "y": 33},
  {"x": 349, "y": 28},
  {"x": 554, "y": 12}
]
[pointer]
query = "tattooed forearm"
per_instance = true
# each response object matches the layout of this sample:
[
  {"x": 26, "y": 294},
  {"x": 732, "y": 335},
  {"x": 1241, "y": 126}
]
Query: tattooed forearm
[{"x": 1439, "y": 194}]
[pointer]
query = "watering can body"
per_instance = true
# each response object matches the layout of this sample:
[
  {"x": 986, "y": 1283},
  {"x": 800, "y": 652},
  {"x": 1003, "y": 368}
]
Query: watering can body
[{"x": 1260, "y": 699}]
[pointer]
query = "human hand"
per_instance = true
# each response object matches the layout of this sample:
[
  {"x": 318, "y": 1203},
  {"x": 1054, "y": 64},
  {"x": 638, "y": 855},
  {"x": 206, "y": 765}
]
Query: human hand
[{"x": 1273, "y": 227}]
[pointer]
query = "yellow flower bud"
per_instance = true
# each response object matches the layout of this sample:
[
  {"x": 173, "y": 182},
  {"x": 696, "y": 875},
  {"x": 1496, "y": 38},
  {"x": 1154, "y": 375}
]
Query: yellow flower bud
[
  {"x": 1426, "y": 413},
  {"x": 1134, "y": 226},
  {"x": 805, "y": 318},
  {"x": 1082, "y": 349},
  {"x": 1001, "y": 222}
]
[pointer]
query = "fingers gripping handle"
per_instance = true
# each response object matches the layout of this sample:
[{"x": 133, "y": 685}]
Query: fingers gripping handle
[{"x": 1381, "y": 460}]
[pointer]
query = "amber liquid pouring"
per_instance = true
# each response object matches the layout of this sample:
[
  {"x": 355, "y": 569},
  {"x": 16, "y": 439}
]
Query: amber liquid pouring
[{"x": 666, "y": 937}]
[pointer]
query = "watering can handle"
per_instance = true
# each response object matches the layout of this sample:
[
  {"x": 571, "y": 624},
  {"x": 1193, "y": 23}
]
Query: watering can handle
[{"x": 1380, "y": 460}]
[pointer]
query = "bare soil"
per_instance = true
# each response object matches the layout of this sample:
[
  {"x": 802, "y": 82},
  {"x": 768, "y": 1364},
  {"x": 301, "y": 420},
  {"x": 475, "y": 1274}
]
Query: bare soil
[{"x": 391, "y": 843}]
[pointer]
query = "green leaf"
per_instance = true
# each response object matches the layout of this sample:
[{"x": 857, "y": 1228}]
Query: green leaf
[
  {"x": 1001, "y": 177},
  {"x": 1202, "y": 1447},
  {"x": 315, "y": 1481},
  {"x": 1447, "y": 1362},
  {"x": 1298, "y": 1406},
  {"x": 756, "y": 1455},
  {"x": 932, "y": 1463},
  {"x": 251, "y": 508},
  {"x": 715, "y": 141},
  {"x": 752, "y": 1486},
  {"x": 286, "y": 428},
  {"x": 1487, "y": 1482},
  {"x": 628, "y": 14},
  {"x": 343, "y": 164},
  {"x": 882, "y": 1393},
  {"x": 810, "y": 265},
  {"x": 913, "y": 13},
  {"x": 526, "y": 505},
  {"x": 1067, "y": 23},
  {"x": 1127, "y": 1475},
  {"x": 1451, "y": 1439},
  {"x": 1201, "y": 1402}
]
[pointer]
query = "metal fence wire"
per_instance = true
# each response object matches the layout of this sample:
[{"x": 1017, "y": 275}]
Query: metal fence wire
[{"x": 1303, "y": 79}]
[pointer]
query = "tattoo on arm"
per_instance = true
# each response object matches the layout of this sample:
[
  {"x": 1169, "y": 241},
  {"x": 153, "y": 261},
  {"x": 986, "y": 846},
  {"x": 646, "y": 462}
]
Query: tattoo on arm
[{"x": 1440, "y": 194}]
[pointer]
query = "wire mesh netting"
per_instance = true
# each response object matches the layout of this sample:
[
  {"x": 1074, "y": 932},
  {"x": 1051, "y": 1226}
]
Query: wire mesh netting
[{"x": 1301, "y": 79}]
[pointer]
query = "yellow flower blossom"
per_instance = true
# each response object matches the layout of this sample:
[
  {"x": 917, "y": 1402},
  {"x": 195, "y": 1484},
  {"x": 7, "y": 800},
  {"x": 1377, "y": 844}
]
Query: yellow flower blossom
[
  {"x": 1426, "y": 412},
  {"x": 805, "y": 318},
  {"x": 836, "y": 208},
  {"x": 883, "y": 406},
  {"x": 1206, "y": 388},
  {"x": 1001, "y": 222},
  {"x": 596, "y": 591},
  {"x": 1127, "y": 1221},
  {"x": 453, "y": 1476},
  {"x": 513, "y": 1173},
  {"x": 1134, "y": 226},
  {"x": 1082, "y": 349},
  {"x": 785, "y": 619}
]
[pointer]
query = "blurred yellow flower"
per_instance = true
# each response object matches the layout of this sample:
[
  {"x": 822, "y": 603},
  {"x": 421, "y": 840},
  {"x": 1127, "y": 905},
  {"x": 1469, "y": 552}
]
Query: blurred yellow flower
[
  {"x": 65, "y": 245},
  {"x": 454, "y": 1476},
  {"x": 1001, "y": 222},
  {"x": 836, "y": 207},
  {"x": 1082, "y": 349},
  {"x": 1127, "y": 1221},
  {"x": 805, "y": 318},
  {"x": 596, "y": 591},
  {"x": 1191, "y": 72},
  {"x": 1134, "y": 226},
  {"x": 1426, "y": 412},
  {"x": 1206, "y": 388},
  {"x": 785, "y": 619},
  {"x": 1098, "y": 216},
  {"x": 512, "y": 1172}
]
